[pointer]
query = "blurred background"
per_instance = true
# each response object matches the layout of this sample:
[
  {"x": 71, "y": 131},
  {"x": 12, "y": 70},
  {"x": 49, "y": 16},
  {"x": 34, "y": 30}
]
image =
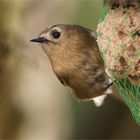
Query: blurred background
[{"x": 33, "y": 103}]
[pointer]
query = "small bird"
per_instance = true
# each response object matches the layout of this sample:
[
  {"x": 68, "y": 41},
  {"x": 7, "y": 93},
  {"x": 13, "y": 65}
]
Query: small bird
[{"x": 75, "y": 59}]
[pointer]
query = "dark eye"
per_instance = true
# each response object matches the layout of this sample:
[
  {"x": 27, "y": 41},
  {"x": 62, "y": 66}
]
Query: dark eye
[{"x": 55, "y": 34}]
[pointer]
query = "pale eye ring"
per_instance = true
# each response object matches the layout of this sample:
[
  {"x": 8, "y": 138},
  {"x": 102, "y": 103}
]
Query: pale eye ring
[{"x": 55, "y": 34}]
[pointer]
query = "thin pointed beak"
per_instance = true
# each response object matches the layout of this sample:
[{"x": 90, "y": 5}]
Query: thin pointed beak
[{"x": 39, "y": 40}]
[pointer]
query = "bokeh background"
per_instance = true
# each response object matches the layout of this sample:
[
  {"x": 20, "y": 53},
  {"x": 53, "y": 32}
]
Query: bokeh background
[{"x": 33, "y": 103}]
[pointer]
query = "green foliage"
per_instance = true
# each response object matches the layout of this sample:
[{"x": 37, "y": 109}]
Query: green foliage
[{"x": 88, "y": 13}]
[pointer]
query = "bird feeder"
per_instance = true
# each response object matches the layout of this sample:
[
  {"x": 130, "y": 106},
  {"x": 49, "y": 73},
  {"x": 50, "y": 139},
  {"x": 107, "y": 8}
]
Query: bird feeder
[{"x": 119, "y": 43}]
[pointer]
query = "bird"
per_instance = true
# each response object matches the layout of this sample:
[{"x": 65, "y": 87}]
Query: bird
[{"x": 75, "y": 59}]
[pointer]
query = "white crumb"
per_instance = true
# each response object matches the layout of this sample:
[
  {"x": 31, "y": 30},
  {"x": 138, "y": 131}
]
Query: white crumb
[{"x": 98, "y": 101}]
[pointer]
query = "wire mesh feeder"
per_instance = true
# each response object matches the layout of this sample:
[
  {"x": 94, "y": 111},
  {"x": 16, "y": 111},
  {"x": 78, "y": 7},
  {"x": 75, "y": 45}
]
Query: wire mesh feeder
[
  {"x": 119, "y": 44},
  {"x": 131, "y": 96}
]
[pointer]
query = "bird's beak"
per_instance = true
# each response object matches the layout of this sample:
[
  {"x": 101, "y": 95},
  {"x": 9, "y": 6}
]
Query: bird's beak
[{"x": 39, "y": 40}]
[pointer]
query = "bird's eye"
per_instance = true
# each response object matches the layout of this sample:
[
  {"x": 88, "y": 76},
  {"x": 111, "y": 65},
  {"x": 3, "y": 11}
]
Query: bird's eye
[{"x": 55, "y": 34}]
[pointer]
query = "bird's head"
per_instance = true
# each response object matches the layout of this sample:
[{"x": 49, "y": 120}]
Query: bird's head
[
  {"x": 64, "y": 36},
  {"x": 67, "y": 43}
]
